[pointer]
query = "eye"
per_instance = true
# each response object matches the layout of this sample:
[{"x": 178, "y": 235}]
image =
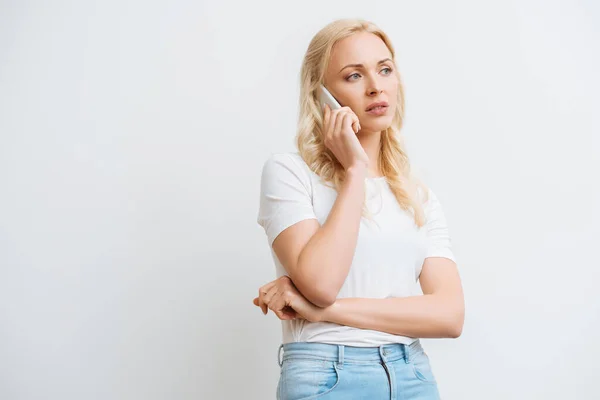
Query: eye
[
  {"x": 350, "y": 76},
  {"x": 389, "y": 69}
]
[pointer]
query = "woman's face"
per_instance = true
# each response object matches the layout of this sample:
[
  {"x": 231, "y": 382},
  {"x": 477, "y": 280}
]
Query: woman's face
[{"x": 360, "y": 73}]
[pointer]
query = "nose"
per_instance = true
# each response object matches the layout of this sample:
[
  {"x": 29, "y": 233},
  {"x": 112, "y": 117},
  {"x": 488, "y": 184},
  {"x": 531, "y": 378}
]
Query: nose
[
  {"x": 374, "y": 90},
  {"x": 373, "y": 86}
]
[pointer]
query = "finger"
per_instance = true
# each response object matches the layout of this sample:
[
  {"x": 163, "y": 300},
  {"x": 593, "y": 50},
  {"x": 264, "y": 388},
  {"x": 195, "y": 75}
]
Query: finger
[
  {"x": 276, "y": 304},
  {"x": 267, "y": 298},
  {"x": 263, "y": 306},
  {"x": 281, "y": 309},
  {"x": 347, "y": 122},
  {"x": 255, "y": 301},
  {"x": 331, "y": 123},
  {"x": 339, "y": 120},
  {"x": 262, "y": 292},
  {"x": 344, "y": 124},
  {"x": 355, "y": 123},
  {"x": 265, "y": 288},
  {"x": 261, "y": 302}
]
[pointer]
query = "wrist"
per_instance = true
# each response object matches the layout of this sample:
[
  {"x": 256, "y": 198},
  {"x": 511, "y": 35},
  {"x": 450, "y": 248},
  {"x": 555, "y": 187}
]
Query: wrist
[
  {"x": 328, "y": 314},
  {"x": 358, "y": 170}
]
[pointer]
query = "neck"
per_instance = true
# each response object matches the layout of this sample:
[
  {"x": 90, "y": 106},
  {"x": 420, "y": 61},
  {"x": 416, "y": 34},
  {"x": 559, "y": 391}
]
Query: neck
[{"x": 371, "y": 143}]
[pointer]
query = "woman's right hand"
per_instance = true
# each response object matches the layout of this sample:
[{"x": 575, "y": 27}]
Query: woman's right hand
[{"x": 340, "y": 127}]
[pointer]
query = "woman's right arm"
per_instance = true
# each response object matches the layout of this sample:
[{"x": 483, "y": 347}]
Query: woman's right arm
[{"x": 318, "y": 258}]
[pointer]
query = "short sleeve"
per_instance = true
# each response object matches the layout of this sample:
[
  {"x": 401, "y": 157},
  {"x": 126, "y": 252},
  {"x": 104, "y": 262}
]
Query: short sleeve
[
  {"x": 439, "y": 243},
  {"x": 285, "y": 197}
]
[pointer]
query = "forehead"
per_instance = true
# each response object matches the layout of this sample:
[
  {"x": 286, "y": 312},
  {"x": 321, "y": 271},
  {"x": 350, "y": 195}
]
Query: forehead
[{"x": 360, "y": 48}]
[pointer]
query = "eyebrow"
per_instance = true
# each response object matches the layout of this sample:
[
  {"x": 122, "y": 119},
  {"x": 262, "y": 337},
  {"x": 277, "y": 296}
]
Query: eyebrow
[{"x": 362, "y": 66}]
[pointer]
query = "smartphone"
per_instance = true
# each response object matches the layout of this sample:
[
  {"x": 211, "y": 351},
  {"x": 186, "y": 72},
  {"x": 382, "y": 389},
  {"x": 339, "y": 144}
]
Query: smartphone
[{"x": 327, "y": 98}]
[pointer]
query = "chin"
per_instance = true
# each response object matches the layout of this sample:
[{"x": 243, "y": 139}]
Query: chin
[{"x": 379, "y": 125}]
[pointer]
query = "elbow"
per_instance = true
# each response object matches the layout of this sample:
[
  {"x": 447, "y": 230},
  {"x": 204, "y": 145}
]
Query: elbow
[
  {"x": 320, "y": 295},
  {"x": 455, "y": 325},
  {"x": 455, "y": 330},
  {"x": 318, "y": 289},
  {"x": 451, "y": 318},
  {"x": 323, "y": 297}
]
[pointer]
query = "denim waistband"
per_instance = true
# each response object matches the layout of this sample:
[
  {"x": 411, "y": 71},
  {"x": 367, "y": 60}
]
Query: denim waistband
[{"x": 342, "y": 353}]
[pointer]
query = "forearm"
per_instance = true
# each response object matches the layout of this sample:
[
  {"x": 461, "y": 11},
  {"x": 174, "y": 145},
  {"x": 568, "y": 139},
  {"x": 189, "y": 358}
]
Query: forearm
[
  {"x": 425, "y": 316},
  {"x": 325, "y": 260}
]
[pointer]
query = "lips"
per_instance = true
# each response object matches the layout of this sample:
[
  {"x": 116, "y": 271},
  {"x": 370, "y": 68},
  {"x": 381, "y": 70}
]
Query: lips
[{"x": 378, "y": 104}]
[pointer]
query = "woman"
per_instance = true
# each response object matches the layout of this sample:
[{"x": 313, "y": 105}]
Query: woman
[{"x": 351, "y": 231}]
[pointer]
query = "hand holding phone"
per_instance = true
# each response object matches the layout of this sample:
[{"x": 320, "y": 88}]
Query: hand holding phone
[{"x": 340, "y": 126}]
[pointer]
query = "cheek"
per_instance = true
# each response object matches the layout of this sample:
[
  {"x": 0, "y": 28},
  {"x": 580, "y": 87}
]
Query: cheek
[{"x": 392, "y": 87}]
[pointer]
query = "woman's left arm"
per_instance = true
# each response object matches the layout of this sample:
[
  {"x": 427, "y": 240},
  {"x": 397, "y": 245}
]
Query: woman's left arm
[{"x": 438, "y": 313}]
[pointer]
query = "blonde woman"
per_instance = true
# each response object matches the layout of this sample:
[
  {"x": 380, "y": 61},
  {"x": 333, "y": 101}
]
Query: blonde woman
[{"x": 351, "y": 231}]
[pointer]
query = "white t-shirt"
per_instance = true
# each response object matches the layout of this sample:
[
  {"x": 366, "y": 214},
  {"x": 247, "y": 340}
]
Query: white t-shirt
[{"x": 389, "y": 254}]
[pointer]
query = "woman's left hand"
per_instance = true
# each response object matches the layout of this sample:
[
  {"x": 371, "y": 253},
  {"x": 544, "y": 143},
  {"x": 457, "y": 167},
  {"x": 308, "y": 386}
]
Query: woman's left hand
[{"x": 284, "y": 299}]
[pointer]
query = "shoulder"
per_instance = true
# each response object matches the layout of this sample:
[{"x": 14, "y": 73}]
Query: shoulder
[
  {"x": 286, "y": 163},
  {"x": 290, "y": 158},
  {"x": 285, "y": 172}
]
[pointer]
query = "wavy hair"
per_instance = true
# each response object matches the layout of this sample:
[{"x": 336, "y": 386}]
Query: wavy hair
[{"x": 393, "y": 159}]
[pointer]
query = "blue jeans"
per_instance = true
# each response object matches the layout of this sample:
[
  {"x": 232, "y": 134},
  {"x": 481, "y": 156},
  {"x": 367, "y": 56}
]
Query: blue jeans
[{"x": 330, "y": 372}]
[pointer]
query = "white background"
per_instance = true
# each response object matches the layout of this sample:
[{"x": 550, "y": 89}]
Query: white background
[{"x": 132, "y": 138}]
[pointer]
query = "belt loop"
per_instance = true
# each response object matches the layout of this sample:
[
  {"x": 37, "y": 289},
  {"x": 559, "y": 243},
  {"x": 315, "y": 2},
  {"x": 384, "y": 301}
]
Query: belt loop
[
  {"x": 341, "y": 356},
  {"x": 406, "y": 353},
  {"x": 279, "y": 359}
]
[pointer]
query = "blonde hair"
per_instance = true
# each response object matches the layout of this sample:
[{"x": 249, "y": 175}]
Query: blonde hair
[{"x": 393, "y": 160}]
